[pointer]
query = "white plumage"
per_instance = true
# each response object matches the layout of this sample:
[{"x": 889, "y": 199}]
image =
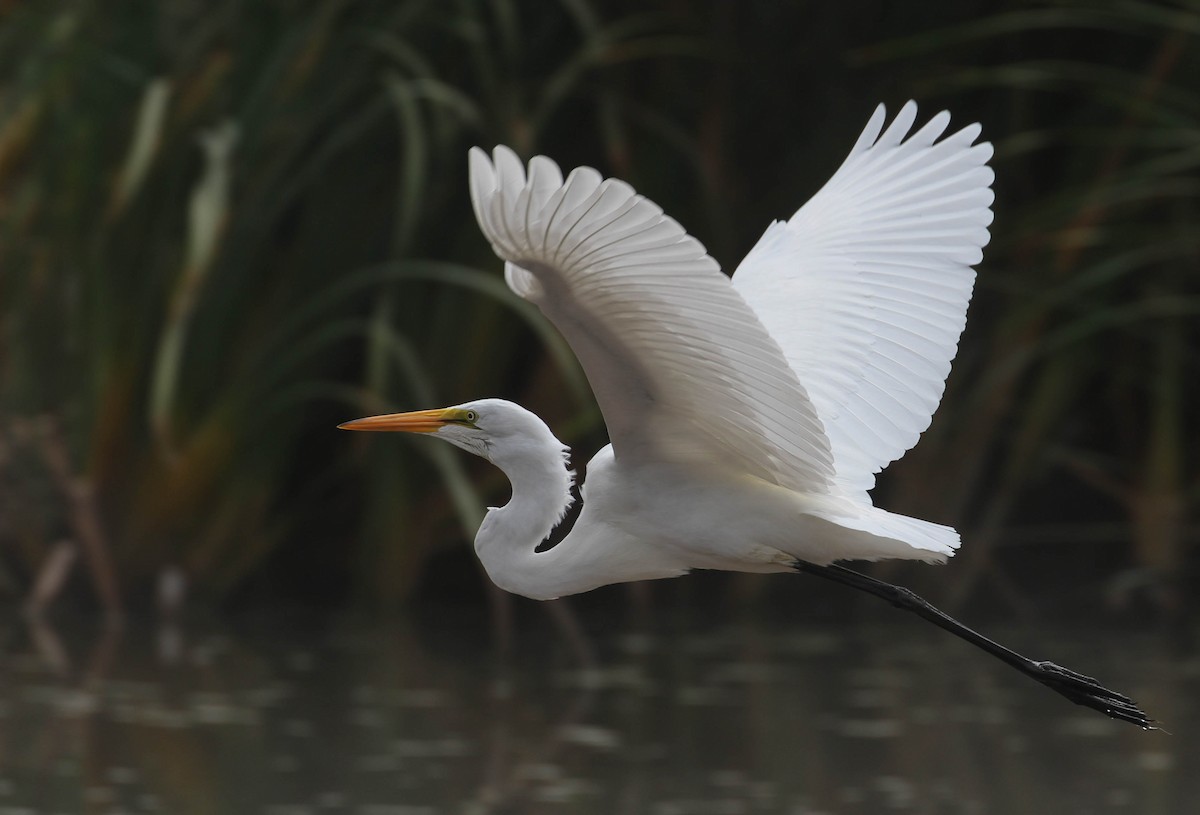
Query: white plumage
[
  {"x": 653, "y": 321},
  {"x": 747, "y": 416},
  {"x": 865, "y": 288}
]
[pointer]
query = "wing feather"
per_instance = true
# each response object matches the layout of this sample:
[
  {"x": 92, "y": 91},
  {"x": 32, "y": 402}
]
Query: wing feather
[
  {"x": 866, "y": 287},
  {"x": 681, "y": 367}
]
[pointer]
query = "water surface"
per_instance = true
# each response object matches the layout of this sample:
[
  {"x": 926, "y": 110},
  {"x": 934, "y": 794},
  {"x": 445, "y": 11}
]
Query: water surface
[{"x": 419, "y": 716}]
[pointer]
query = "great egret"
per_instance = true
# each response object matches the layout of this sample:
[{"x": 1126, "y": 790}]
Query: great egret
[{"x": 748, "y": 415}]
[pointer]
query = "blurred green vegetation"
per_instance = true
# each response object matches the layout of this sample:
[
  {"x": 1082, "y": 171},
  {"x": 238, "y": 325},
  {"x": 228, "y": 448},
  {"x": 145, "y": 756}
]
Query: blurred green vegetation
[{"x": 226, "y": 226}]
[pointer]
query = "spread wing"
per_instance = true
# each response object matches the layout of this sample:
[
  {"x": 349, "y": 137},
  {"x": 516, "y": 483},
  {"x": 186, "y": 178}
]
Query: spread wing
[
  {"x": 679, "y": 364},
  {"x": 866, "y": 287}
]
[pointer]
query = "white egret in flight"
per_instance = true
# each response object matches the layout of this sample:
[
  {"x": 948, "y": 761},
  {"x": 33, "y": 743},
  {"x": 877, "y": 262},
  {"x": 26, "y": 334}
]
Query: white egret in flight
[{"x": 749, "y": 414}]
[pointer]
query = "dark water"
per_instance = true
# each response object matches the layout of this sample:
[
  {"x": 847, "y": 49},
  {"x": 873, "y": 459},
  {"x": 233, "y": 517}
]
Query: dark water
[{"x": 418, "y": 716}]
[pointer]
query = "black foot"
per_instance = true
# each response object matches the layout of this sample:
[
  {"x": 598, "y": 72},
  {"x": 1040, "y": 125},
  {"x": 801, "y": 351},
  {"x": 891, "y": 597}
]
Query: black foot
[{"x": 1086, "y": 691}]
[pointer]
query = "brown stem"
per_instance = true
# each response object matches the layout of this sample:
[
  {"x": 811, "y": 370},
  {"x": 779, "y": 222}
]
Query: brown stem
[
  {"x": 51, "y": 577},
  {"x": 84, "y": 519}
]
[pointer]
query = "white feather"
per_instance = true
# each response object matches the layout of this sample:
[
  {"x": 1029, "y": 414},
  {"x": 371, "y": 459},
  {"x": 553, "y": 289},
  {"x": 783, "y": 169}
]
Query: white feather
[
  {"x": 821, "y": 361},
  {"x": 866, "y": 287},
  {"x": 680, "y": 366}
]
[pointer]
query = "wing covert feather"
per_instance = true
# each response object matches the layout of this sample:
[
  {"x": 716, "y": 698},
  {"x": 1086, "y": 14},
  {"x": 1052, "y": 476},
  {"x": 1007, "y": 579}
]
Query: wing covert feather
[{"x": 681, "y": 367}]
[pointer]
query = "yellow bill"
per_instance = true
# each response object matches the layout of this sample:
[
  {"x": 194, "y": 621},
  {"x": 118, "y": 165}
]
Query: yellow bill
[{"x": 418, "y": 421}]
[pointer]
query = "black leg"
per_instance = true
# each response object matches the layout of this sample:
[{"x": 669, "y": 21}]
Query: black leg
[{"x": 1080, "y": 689}]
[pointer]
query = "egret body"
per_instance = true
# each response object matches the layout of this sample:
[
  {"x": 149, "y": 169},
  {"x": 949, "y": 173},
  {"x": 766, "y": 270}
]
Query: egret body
[{"x": 748, "y": 415}]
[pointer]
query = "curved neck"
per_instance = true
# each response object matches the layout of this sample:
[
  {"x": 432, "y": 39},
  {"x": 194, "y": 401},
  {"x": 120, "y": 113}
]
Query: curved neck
[
  {"x": 593, "y": 554},
  {"x": 541, "y": 495},
  {"x": 509, "y": 535}
]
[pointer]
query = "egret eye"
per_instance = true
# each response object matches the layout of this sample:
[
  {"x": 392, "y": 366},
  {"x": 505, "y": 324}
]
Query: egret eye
[{"x": 471, "y": 416}]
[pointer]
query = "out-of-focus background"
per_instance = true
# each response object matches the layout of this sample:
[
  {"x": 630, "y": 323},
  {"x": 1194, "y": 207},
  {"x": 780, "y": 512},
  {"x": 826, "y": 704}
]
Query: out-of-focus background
[{"x": 226, "y": 226}]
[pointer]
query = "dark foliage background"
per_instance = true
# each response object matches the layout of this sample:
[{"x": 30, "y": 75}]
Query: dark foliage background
[{"x": 226, "y": 226}]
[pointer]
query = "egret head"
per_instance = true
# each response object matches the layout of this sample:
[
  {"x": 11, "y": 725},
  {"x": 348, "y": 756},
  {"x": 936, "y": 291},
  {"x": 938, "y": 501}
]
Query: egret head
[{"x": 492, "y": 428}]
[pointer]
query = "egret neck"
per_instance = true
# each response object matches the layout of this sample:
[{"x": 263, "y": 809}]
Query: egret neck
[
  {"x": 541, "y": 495},
  {"x": 593, "y": 554}
]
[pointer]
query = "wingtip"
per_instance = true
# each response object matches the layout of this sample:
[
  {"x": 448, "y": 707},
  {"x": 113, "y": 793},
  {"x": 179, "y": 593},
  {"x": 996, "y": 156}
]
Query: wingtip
[
  {"x": 478, "y": 161},
  {"x": 937, "y": 124},
  {"x": 544, "y": 174},
  {"x": 901, "y": 125},
  {"x": 510, "y": 172},
  {"x": 971, "y": 132},
  {"x": 872, "y": 130},
  {"x": 502, "y": 152},
  {"x": 482, "y": 182}
]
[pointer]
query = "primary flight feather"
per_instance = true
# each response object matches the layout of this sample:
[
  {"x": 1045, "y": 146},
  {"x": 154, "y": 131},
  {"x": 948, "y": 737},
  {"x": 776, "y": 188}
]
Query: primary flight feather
[{"x": 749, "y": 415}]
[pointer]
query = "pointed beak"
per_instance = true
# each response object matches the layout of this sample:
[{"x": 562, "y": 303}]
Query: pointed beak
[{"x": 418, "y": 421}]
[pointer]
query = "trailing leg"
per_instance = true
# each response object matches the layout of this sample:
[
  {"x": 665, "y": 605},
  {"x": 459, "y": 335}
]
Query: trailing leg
[{"x": 1080, "y": 689}]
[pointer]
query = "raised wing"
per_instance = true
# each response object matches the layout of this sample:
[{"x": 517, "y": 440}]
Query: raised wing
[
  {"x": 680, "y": 366},
  {"x": 866, "y": 287}
]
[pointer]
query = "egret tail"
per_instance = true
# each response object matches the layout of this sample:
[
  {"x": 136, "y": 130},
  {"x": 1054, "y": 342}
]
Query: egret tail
[{"x": 896, "y": 536}]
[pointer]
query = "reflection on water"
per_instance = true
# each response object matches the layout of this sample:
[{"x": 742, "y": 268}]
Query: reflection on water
[{"x": 416, "y": 717}]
